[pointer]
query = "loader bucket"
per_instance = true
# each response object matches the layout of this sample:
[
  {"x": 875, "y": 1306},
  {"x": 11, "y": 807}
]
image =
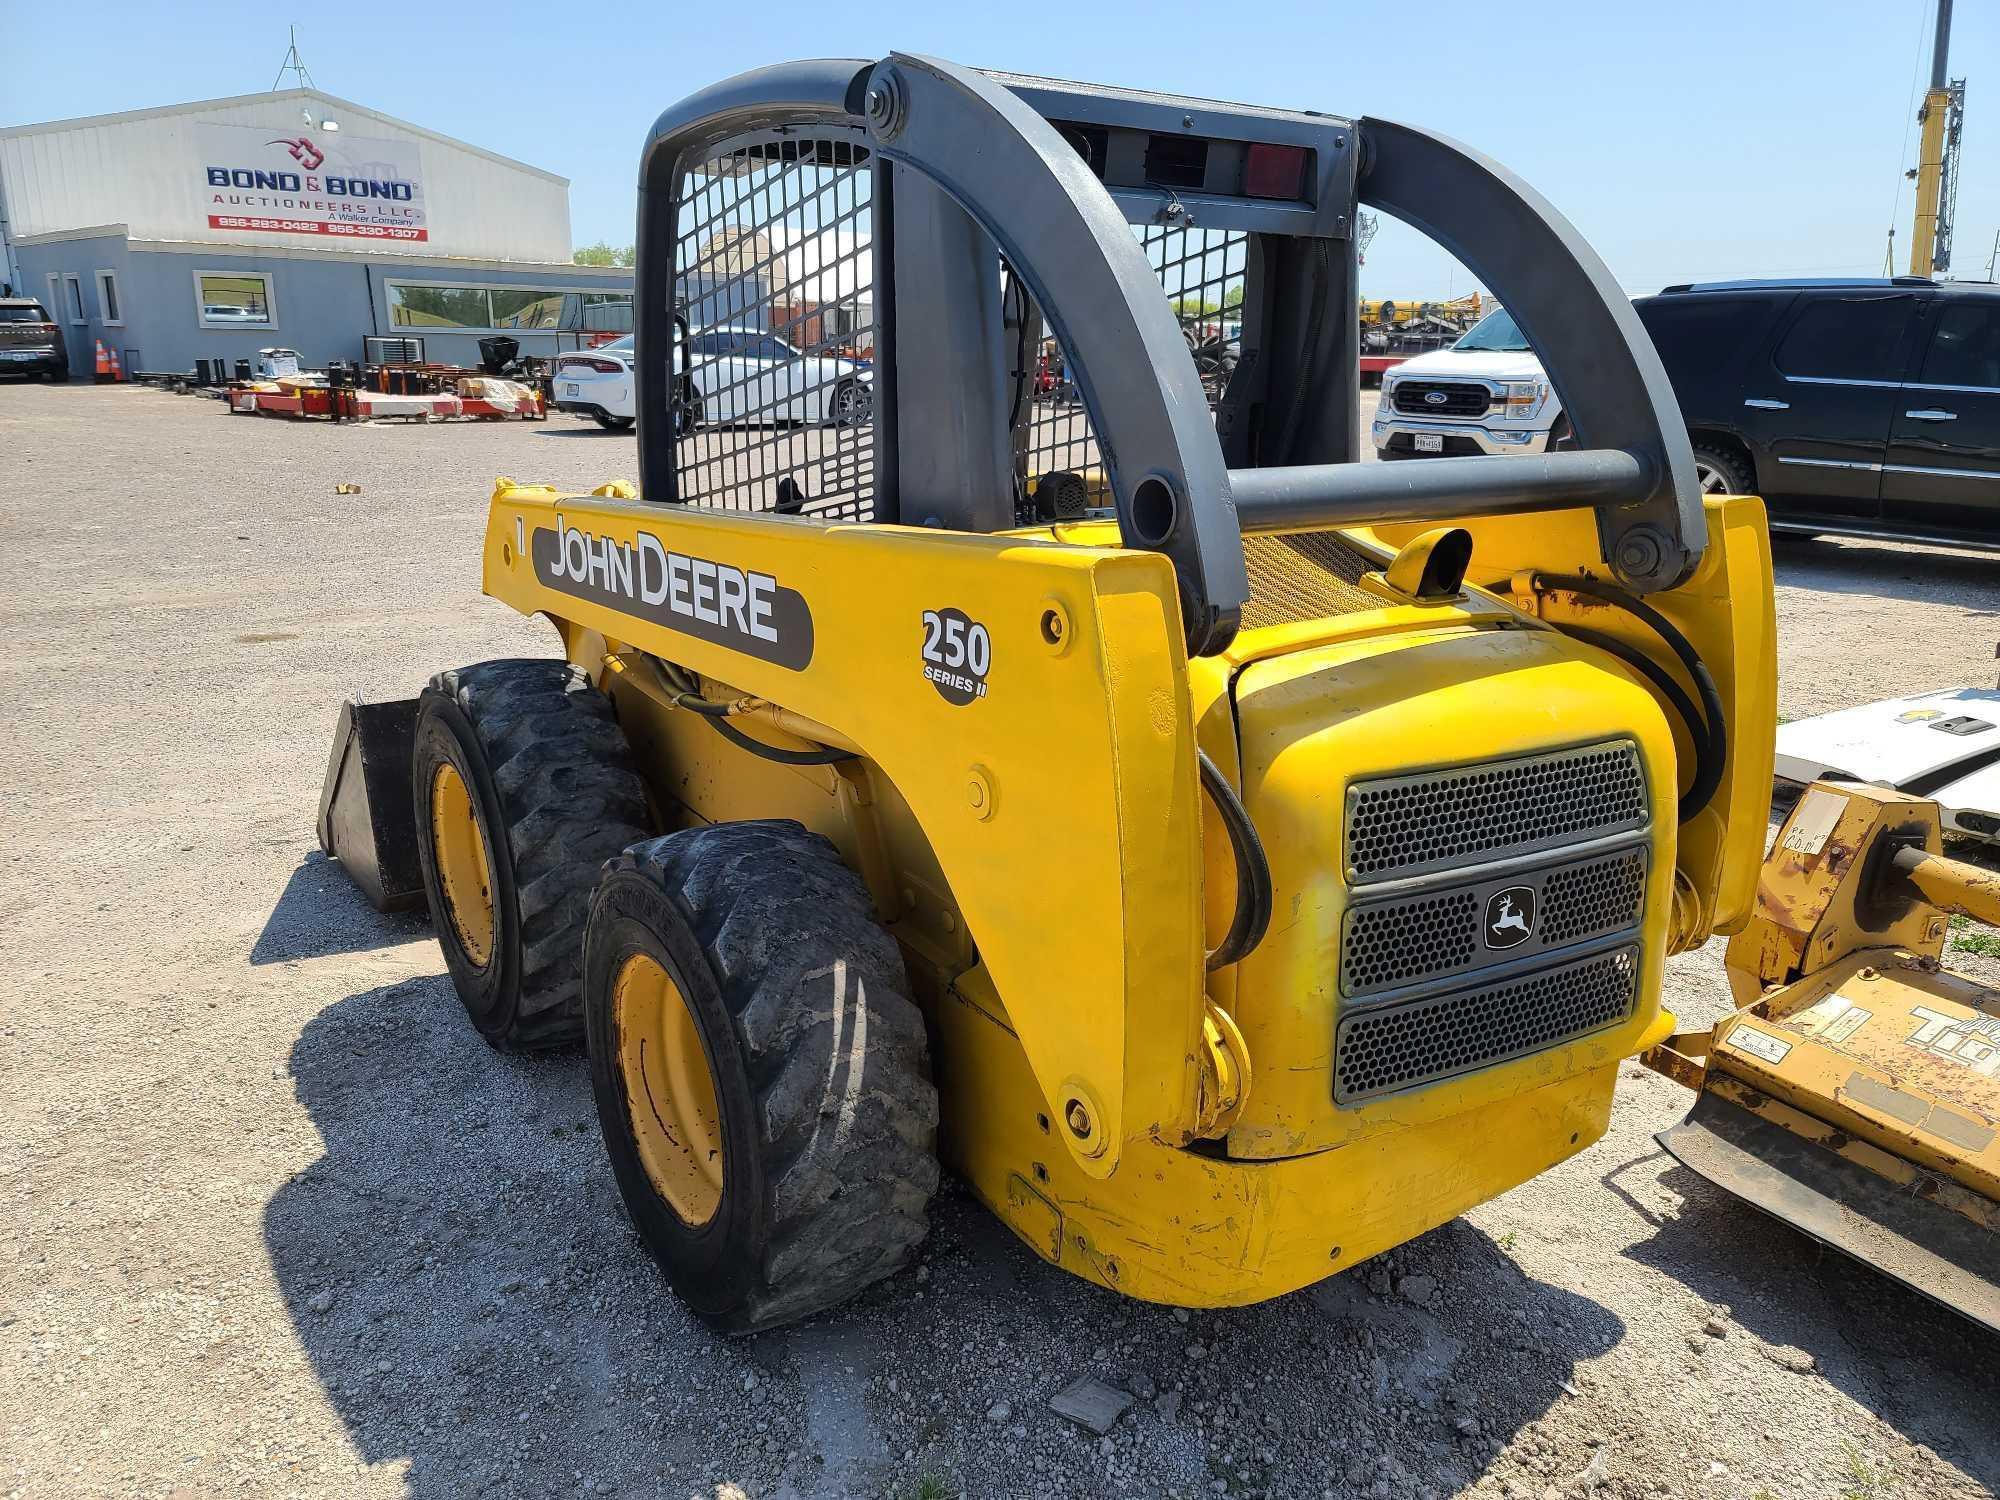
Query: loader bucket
[
  {"x": 1897, "y": 1228},
  {"x": 367, "y": 815}
]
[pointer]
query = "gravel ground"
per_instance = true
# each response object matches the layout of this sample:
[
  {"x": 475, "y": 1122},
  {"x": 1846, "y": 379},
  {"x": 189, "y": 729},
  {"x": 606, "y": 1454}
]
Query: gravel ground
[{"x": 273, "y": 1222}]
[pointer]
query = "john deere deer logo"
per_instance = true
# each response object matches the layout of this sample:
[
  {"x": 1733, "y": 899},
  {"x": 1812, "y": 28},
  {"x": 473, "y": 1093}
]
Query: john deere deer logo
[{"x": 1510, "y": 916}]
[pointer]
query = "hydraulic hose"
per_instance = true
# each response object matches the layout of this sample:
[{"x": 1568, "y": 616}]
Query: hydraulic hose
[
  {"x": 716, "y": 716},
  {"x": 1253, "y": 870},
  {"x": 1710, "y": 729},
  {"x": 735, "y": 736}
]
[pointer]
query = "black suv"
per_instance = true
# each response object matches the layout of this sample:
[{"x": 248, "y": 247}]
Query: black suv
[{"x": 1866, "y": 407}]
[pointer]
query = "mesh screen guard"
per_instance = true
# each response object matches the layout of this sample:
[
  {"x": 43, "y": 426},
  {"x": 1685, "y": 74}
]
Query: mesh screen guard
[
  {"x": 776, "y": 306},
  {"x": 774, "y": 272}
]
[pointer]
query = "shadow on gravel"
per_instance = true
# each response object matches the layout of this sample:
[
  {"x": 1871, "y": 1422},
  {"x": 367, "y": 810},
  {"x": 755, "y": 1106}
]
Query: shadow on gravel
[
  {"x": 462, "y": 1276},
  {"x": 321, "y": 912},
  {"x": 1888, "y": 570},
  {"x": 460, "y": 1272},
  {"x": 1925, "y": 1371}
]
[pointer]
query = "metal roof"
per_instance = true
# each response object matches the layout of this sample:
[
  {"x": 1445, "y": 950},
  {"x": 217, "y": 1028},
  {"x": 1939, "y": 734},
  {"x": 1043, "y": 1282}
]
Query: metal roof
[{"x": 132, "y": 116}]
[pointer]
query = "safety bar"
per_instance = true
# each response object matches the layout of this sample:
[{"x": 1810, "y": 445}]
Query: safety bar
[
  {"x": 1598, "y": 355},
  {"x": 947, "y": 135},
  {"x": 1317, "y": 496}
]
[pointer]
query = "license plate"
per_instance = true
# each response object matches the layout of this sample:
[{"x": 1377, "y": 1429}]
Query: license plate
[
  {"x": 18, "y": 354},
  {"x": 569, "y": 388},
  {"x": 1429, "y": 442}
]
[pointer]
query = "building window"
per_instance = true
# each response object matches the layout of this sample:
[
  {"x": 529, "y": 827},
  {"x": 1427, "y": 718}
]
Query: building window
[
  {"x": 107, "y": 299},
  {"x": 438, "y": 307},
  {"x": 516, "y": 307},
  {"x": 505, "y": 309},
  {"x": 75, "y": 284},
  {"x": 605, "y": 312},
  {"x": 235, "y": 299}
]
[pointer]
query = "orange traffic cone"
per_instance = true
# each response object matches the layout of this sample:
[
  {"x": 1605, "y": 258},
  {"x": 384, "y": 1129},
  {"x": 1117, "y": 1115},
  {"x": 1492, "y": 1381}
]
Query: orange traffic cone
[
  {"x": 103, "y": 363},
  {"x": 117, "y": 369}
]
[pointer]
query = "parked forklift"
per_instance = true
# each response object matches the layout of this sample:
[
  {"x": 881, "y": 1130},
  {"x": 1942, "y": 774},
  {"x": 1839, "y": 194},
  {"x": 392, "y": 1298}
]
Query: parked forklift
[{"x": 1231, "y": 859}]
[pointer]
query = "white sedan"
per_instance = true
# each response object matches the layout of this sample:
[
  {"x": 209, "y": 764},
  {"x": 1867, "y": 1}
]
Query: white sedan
[
  {"x": 749, "y": 376},
  {"x": 729, "y": 376},
  {"x": 598, "y": 383}
]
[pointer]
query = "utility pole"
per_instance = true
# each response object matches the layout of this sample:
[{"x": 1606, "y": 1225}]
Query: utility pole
[{"x": 1943, "y": 120}]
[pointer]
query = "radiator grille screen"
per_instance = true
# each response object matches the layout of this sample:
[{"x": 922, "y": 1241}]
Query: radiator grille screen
[
  {"x": 774, "y": 271},
  {"x": 1583, "y": 901},
  {"x": 1405, "y": 940},
  {"x": 1440, "y": 933},
  {"x": 1399, "y": 1046},
  {"x": 1403, "y": 825}
]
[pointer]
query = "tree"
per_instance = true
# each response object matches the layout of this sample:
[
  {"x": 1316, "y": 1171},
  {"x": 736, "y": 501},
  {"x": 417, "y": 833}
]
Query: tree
[{"x": 603, "y": 254}]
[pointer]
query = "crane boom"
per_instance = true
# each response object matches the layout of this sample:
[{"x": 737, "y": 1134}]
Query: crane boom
[{"x": 1943, "y": 120}]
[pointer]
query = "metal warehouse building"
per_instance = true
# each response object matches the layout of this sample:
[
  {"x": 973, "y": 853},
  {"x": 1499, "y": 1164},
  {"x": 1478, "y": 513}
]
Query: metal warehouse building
[{"x": 292, "y": 219}]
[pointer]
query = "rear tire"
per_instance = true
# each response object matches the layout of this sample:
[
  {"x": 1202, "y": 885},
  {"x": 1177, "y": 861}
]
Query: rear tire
[
  {"x": 800, "y": 1168},
  {"x": 1720, "y": 472},
  {"x": 531, "y": 754}
]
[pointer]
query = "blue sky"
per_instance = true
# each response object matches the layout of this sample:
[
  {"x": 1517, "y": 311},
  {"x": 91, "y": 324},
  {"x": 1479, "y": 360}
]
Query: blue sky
[{"x": 1692, "y": 140}]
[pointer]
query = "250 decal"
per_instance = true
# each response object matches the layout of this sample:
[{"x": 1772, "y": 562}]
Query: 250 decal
[{"x": 958, "y": 652}]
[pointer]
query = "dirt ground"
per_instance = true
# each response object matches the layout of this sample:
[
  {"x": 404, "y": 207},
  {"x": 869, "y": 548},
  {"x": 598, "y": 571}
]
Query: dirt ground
[{"x": 274, "y": 1222}]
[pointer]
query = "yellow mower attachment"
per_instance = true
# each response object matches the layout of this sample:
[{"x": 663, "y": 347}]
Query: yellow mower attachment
[{"x": 1856, "y": 1093}]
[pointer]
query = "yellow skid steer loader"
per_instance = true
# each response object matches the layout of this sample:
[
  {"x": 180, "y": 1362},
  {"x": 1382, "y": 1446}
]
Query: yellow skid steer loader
[{"x": 1231, "y": 859}]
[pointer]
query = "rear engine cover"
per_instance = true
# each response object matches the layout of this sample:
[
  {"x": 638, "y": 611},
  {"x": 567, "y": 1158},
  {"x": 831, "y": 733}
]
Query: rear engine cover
[{"x": 1464, "y": 827}]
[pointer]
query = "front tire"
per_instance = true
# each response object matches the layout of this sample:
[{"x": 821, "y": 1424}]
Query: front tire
[
  {"x": 524, "y": 786},
  {"x": 762, "y": 1083}
]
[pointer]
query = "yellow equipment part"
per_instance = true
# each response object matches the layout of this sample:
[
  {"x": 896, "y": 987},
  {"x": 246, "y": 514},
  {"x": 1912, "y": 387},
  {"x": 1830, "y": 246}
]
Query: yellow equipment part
[
  {"x": 660, "y": 1052},
  {"x": 463, "y": 867},
  {"x": 1856, "y": 1092},
  {"x": 1042, "y": 853}
]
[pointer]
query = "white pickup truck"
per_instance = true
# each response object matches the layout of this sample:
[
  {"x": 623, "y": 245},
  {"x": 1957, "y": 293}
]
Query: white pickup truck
[{"x": 1487, "y": 393}]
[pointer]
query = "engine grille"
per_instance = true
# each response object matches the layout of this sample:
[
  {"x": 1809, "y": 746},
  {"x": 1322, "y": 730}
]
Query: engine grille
[
  {"x": 1585, "y": 900},
  {"x": 1395, "y": 1047},
  {"x": 1406, "y": 825},
  {"x": 1460, "y": 398},
  {"x": 1440, "y": 933},
  {"x": 1405, "y": 940}
]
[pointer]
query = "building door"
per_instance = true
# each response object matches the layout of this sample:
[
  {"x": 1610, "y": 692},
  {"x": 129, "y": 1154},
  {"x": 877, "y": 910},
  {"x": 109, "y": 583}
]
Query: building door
[
  {"x": 1943, "y": 469},
  {"x": 67, "y": 308}
]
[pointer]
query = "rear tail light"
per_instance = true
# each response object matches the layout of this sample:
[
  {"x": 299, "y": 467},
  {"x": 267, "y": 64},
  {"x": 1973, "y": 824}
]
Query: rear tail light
[
  {"x": 602, "y": 366},
  {"x": 1275, "y": 172}
]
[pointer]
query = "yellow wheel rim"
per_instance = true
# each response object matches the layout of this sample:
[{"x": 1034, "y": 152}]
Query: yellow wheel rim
[
  {"x": 463, "y": 868},
  {"x": 669, "y": 1089}
]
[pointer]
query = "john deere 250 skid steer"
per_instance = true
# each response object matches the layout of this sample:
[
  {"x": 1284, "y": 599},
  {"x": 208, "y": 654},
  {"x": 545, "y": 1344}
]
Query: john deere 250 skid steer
[{"x": 1006, "y": 727}]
